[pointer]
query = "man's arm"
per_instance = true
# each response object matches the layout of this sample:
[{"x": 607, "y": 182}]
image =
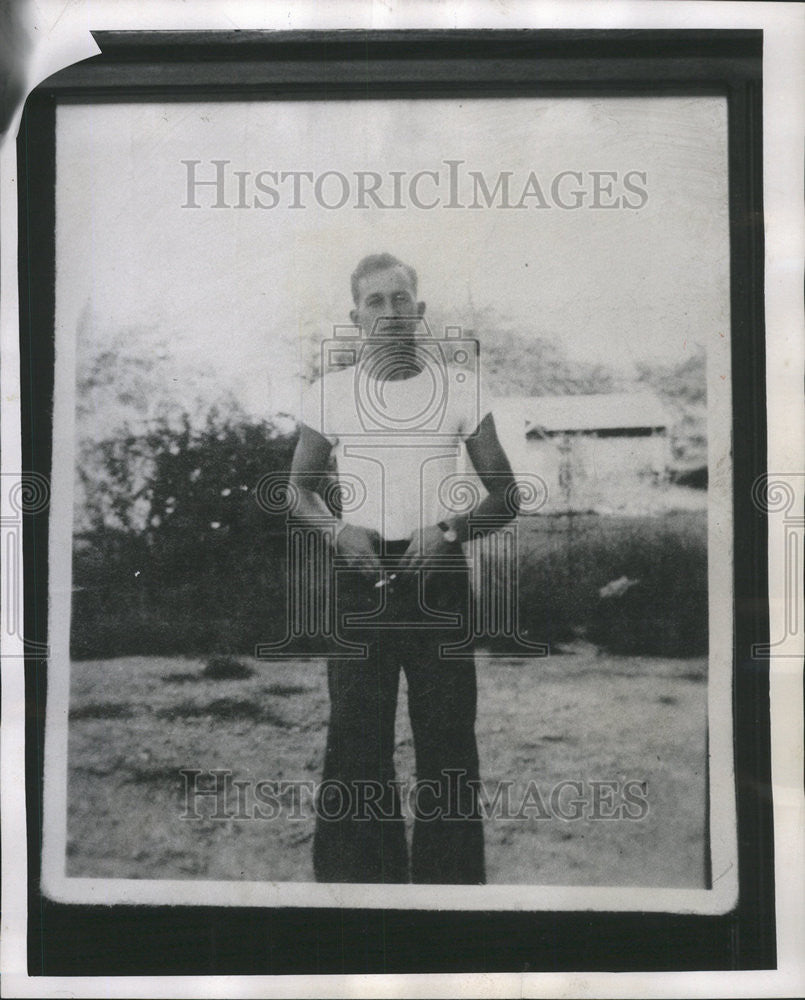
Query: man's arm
[
  {"x": 497, "y": 507},
  {"x": 490, "y": 461},
  {"x": 307, "y": 470}
]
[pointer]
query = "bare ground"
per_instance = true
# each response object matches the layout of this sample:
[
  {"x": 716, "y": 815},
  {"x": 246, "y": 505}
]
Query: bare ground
[{"x": 136, "y": 722}]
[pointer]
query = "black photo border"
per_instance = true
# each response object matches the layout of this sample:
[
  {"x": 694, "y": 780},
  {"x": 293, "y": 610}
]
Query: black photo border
[{"x": 67, "y": 939}]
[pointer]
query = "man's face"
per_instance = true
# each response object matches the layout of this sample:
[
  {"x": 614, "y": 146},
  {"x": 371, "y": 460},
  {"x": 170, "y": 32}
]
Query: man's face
[{"x": 387, "y": 305}]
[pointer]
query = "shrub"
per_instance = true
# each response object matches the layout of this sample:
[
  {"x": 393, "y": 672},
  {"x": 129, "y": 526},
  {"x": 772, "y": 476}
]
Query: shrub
[
  {"x": 204, "y": 568},
  {"x": 666, "y": 612},
  {"x": 565, "y": 561}
]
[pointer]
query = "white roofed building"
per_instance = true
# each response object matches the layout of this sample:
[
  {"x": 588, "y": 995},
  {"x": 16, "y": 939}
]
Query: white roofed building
[{"x": 606, "y": 452}]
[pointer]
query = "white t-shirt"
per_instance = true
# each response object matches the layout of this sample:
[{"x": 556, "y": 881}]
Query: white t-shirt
[{"x": 398, "y": 444}]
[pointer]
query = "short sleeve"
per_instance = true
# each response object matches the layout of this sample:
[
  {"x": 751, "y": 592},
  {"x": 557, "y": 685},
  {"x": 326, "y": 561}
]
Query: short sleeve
[
  {"x": 475, "y": 403},
  {"x": 311, "y": 410}
]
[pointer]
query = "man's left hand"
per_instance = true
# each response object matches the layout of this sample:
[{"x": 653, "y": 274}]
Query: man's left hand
[{"x": 425, "y": 544}]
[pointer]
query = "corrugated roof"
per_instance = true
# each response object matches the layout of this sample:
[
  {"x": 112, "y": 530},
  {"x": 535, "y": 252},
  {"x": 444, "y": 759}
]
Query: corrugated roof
[{"x": 603, "y": 411}]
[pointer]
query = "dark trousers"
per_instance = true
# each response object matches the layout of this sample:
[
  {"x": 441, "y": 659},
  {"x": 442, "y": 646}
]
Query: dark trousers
[{"x": 360, "y": 830}]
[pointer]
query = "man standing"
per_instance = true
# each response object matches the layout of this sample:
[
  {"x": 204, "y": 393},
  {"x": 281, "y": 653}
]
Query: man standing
[{"x": 394, "y": 421}]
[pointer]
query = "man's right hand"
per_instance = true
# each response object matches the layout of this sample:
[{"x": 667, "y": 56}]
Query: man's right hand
[{"x": 359, "y": 547}]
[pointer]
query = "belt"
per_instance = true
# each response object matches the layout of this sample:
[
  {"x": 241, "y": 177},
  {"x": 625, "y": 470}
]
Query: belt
[{"x": 396, "y": 546}]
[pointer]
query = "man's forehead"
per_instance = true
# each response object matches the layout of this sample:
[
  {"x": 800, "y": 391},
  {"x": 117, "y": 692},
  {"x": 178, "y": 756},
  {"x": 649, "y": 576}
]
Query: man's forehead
[{"x": 388, "y": 278}]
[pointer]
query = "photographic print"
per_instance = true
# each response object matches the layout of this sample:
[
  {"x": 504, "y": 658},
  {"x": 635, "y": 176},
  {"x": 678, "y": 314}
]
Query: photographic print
[
  {"x": 392, "y": 547},
  {"x": 394, "y": 514}
]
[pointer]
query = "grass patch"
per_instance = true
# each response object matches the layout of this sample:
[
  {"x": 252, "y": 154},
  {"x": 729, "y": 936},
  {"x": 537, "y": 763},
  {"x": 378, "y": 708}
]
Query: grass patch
[
  {"x": 160, "y": 776},
  {"x": 226, "y": 709},
  {"x": 101, "y": 710},
  {"x": 226, "y": 668},
  {"x": 285, "y": 690}
]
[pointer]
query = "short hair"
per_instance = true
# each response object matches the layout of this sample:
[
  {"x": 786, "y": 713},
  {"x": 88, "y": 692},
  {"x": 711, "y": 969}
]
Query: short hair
[{"x": 378, "y": 262}]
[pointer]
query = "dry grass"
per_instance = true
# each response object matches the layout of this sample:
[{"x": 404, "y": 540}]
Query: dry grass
[{"x": 578, "y": 716}]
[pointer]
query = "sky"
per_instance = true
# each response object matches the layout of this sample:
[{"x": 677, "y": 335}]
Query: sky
[{"x": 225, "y": 297}]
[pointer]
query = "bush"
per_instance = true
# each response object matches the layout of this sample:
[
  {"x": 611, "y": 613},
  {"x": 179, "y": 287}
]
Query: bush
[
  {"x": 204, "y": 568},
  {"x": 565, "y": 561},
  {"x": 666, "y": 612}
]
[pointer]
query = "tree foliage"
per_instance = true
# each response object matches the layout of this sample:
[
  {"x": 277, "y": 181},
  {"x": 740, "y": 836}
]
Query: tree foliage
[
  {"x": 518, "y": 362},
  {"x": 180, "y": 555},
  {"x": 683, "y": 387},
  {"x": 684, "y": 382}
]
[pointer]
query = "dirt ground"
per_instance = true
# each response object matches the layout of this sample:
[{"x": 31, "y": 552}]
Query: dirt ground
[{"x": 582, "y": 716}]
